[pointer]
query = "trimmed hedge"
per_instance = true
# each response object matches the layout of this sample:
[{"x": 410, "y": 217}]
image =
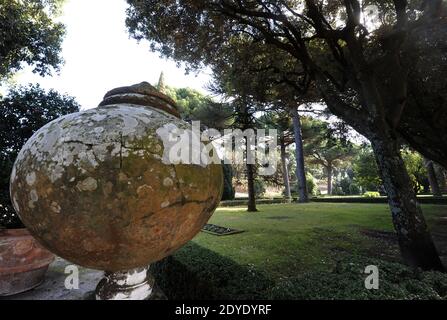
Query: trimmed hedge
[
  {"x": 243, "y": 202},
  {"x": 359, "y": 199},
  {"x": 423, "y": 200}
]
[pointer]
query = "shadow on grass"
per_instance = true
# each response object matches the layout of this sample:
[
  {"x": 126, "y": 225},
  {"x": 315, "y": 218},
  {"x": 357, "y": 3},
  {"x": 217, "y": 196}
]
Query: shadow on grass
[{"x": 195, "y": 272}]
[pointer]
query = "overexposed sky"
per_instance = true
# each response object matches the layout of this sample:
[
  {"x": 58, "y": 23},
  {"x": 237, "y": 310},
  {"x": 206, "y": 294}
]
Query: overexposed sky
[{"x": 99, "y": 55}]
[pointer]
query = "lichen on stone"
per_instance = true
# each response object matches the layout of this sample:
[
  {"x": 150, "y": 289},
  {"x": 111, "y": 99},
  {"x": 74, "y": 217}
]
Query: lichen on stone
[{"x": 93, "y": 188}]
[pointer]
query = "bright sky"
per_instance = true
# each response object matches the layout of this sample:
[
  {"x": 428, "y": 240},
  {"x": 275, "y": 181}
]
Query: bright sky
[{"x": 99, "y": 55}]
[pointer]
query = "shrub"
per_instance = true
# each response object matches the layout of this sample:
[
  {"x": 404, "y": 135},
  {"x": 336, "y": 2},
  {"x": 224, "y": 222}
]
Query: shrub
[
  {"x": 312, "y": 188},
  {"x": 311, "y": 185},
  {"x": 354, "y": 189},
  {"x": 337, "y": 190},
  {"x": 371, "y": 194},
  {"x": 347, "y": 186}
]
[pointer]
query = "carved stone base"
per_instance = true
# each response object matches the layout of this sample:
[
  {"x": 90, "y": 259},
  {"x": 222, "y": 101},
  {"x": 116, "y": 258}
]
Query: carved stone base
[{"x": 135, "y": 284}]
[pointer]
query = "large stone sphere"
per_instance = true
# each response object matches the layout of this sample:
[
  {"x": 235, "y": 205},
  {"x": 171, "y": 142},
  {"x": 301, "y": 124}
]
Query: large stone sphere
[{"x": 92, "y": 187}]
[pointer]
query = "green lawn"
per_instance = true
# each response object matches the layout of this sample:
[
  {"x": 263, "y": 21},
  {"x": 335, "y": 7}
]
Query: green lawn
[
  {"x": 286, "y": 245},
  {"x": 286, "y": 238}
]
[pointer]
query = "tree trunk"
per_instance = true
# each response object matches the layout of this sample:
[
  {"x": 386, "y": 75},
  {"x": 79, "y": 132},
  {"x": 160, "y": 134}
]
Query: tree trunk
[
  {"x": 285, "y": 170},
  {"x": 299, "y": 154},
  {"x": 415, "y": 241},
  {"x": 432, "y": 179},
  {"x": 329, "y": 178},
  {"x": 441, "y": 173},
  {"x": 251, "y": 189}
]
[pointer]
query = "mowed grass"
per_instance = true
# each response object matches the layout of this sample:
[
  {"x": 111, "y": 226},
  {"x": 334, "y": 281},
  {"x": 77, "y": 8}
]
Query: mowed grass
[{"x": 283, "y": 240}]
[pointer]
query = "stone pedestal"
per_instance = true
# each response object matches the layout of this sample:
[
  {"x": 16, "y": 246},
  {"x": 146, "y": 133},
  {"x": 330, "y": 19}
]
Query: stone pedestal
[{"x": 135, "y": 284}]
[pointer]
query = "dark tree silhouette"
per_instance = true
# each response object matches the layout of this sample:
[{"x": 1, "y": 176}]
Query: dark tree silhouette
[{"x": 23, "y": 111}]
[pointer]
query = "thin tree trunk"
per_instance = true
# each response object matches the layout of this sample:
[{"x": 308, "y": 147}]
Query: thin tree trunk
[
  {"x": 441, "y": 173},
  {"x": 432, "y": 179},
  {"x": 416, "y": 244},
  {"x": 251, "y": 189},
  {"x": 329, "y": 178},
  {"x": 299, "y": 154},
  {"x": 285, "y": 170}
]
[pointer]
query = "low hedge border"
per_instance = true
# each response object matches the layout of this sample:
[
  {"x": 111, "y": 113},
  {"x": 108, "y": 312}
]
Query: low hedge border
[
  {"x": 422, "y": 200},
  {"x": 243, "y": 202}
]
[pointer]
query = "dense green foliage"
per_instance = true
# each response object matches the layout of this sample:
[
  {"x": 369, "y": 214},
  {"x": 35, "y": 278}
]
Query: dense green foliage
[
  {"x": 29, "y": 35},
  {"x": 346, "y": 186},
  {"x": 366, "y": 173},
  {"x": 367, "y": 176},
  {"x": 312, "y": 188},
  {"x": 195, "y": 106},
  {"x": 23, "y": 111},
  {"x": 189, "y": 100},
  {"x": 416, "y": 169}
]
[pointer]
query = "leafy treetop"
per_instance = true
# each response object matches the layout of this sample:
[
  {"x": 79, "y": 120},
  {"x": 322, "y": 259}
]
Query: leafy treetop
[{"x": 30, "y": 35}]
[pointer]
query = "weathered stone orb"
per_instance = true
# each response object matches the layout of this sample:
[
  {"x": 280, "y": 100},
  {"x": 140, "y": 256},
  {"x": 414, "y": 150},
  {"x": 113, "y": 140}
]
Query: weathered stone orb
[{"x": 92, "y": 187}]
